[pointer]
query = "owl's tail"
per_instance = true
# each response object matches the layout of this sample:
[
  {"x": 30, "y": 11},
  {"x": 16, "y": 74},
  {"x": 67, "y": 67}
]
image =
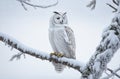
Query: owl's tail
[{"x": 58, "y": 67}]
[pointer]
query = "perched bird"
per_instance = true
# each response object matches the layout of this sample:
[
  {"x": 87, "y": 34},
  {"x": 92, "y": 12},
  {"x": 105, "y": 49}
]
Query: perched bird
[{"x": 61, "y": 38}]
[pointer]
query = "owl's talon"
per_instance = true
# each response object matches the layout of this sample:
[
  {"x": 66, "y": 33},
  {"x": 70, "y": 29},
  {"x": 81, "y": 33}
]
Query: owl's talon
[
  {"x": 60, "y": 55},
  {"x": 56, "y": 54},
  {"x": 53, "y": 53}
]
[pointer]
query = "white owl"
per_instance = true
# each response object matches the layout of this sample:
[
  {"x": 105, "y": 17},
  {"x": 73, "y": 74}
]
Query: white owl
[{"x": 61, "y": 38}]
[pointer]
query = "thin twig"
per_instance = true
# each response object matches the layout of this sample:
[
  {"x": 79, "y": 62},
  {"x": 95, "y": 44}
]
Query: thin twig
[
  {"x": 17, "y": 56},
  {"x": 115, "y": 9},
  {"x": 92, "y": 4},
  {"x": 116, "y": 2},
  {"x": 23, "y": 2},
  {"x": 114, "y": 72}
]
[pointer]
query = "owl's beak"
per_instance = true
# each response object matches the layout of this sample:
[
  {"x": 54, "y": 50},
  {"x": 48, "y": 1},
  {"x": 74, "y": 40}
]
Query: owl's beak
[
  {"x": 65, "y": 13},
  {"x": 61, "y": 22}
]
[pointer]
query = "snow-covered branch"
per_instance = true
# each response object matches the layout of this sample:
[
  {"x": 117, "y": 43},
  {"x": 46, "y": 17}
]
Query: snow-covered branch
[
  {"x": 109, "y": 44},
  {"x": 39, "y": 54},
  {"x": 27, "y": 2}
]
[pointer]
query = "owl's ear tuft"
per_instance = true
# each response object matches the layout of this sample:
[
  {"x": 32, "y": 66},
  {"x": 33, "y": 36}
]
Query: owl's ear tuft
[
  {"x": 56, "y": 12},
  {"x": 65, "y": 13}
]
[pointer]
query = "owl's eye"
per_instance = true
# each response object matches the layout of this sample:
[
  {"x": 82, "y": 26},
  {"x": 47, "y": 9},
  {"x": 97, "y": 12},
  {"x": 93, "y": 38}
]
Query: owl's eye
[{"x": 58, "y": 18}]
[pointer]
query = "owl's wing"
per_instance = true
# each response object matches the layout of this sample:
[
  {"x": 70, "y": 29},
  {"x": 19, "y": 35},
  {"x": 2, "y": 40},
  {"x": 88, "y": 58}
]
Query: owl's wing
[
  {"x": 70, "y": 41},
  {"x": 69, "y": 36},
  {"x": 65, "y": 42}
]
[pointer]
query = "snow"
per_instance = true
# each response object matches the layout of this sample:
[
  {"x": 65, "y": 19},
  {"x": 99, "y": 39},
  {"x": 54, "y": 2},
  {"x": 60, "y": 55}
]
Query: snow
[
  {"x": 73, "y": 62},
  {"x": 22, "y": 46},
  {"x": 109, "y": 45},
  {"x": 97, "y": 66},
  {"x": 112, "y": 39},
  {"x": 40, "y": 54}
]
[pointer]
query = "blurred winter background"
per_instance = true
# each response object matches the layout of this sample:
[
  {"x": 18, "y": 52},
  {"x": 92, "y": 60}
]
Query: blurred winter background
[{"x": 31, "y": 28}]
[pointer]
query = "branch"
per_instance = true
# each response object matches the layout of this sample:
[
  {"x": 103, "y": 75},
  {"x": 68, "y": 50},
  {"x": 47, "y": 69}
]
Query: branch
[
  {"x": 38, "y": 54},
  {"x": 116, "y": 2},
  {"x": 27, "y": 2},
  {"x": 109, "y": 44},
  {"x": 17, "y": 56},
  {"x": 115, "y": 9},
  {"x": 92, "y": 4},
  {"x": 113, "y": 72}
]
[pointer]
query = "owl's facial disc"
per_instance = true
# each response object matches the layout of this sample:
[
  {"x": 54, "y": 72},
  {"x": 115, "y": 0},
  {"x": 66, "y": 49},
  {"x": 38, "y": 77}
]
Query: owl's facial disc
[{"x": 60, "y": 18}]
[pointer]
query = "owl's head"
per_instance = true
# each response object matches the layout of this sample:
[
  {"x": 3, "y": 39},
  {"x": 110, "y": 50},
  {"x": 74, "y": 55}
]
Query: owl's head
[{"x": 59, "y": 18}]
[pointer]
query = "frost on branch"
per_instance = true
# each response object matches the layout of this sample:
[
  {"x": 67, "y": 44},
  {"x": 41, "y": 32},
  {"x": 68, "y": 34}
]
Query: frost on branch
[
  {"x": 109, "y": 44},
  {"x": 39, "y": 54},
  {"x": 28, "y": 2}
]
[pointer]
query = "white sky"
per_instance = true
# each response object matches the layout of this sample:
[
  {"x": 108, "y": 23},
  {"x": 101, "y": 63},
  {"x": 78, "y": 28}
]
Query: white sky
[{"x": 31, "y": 28}]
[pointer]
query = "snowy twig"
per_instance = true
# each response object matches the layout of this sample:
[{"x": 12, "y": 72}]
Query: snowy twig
[
  {"x": 92, "y": 4},
  {"x": 115, "y": 9},
  {"x": 116, "y": 2},
  {"x": 113, "y": 72},
  {"x": 38, "y": 54},
  {"x": 27, "y": 2},
  {"x": 17, "y": 56}
]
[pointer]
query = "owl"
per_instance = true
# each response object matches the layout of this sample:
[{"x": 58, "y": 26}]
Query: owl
[{"x": 61, "y": 38}]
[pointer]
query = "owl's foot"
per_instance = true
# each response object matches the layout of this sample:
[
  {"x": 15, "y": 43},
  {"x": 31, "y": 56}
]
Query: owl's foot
[
  {"x": 59, "y": 55},
  {"x": 56, "y": 54}
]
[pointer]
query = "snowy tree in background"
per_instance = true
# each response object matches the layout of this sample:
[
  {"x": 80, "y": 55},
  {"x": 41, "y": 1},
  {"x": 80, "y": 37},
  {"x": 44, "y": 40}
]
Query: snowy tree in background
[{"x": 97, "y": 64}]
